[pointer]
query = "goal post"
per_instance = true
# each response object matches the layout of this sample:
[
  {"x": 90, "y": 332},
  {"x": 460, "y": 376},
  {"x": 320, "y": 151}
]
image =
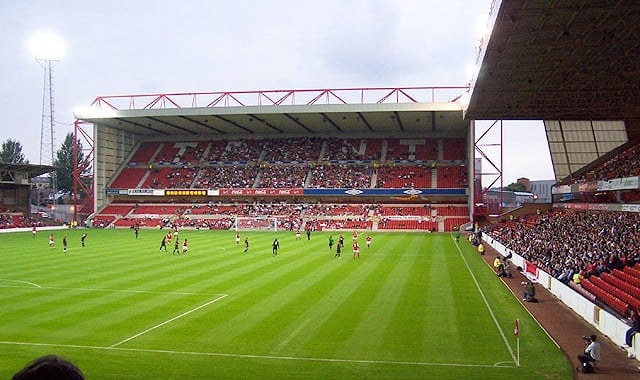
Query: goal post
[{"x": 255, "y": 223}]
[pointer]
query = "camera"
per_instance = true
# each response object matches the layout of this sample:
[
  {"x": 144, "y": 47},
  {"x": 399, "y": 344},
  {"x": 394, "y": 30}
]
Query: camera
[{"x": 586, "y": 337}]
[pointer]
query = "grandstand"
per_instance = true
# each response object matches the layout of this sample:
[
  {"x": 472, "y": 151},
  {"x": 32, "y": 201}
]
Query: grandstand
[
  {"x": 15, "y": 195},
  {"x": 343, "y": 152}
]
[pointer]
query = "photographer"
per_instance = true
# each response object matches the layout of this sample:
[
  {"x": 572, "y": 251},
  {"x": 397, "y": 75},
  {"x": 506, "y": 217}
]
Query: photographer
[
  {"x": 529, "y": 294},
  {"x": 591, "y": 354}
]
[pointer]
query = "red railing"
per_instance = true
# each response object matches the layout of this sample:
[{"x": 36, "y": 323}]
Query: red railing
[{"x": 371, "y": 95}]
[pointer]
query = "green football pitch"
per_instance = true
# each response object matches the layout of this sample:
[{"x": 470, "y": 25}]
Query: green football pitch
[{"x": 413, "y": 306}]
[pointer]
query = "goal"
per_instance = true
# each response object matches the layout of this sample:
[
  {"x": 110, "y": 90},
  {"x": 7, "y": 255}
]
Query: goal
[{"x": 256, "y": 223}]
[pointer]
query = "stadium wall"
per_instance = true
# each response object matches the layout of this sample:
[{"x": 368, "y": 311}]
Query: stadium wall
[{"x": 111, "y": 154}]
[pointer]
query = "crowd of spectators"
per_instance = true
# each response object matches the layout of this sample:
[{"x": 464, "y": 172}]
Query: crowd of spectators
[
  {"x": 303, "y": 149},
  {"x": 289, "y": 215},
  {"x": 171, "y": 178},
  {"x": 282, "y": 163},
  {"x": 325, "y": 209},
  {"x": 242, "y": 151},
  {"x": 226, "y": 177},
  {"x": 283, "y": 176},
  {"x": 9, "y": 221},
  {"x": 625, "y": 163},
  {"x": 340, "y": 177},
  {"x": 564, "y": 243}
]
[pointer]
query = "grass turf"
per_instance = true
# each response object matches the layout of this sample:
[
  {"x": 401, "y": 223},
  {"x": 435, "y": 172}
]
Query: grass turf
[{"x": 413, "y": 306}]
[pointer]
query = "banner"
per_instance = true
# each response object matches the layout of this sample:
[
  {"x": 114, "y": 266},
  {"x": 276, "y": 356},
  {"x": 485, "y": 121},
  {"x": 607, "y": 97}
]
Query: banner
[{"x": 293, "y": 191}]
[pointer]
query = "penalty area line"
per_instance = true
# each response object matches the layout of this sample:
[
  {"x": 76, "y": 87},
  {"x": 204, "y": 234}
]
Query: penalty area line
[
  {"x": 267, "y": 357},
  {"x": 167, "y": 321}
]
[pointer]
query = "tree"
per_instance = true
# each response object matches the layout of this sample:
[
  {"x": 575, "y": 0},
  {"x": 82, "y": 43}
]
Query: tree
[
  {"x": 11, "y": 153},
  {"x": 64, "y": 163},
  {"x": 515, "y": 187}
]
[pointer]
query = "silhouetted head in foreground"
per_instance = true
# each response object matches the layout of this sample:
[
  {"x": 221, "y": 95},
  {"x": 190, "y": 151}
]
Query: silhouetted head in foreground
[{"x": 49, "y": 367}]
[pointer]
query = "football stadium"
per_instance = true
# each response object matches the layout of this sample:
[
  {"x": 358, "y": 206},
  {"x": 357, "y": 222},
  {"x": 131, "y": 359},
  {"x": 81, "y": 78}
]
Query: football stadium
[{"x": 343, "y": 233}]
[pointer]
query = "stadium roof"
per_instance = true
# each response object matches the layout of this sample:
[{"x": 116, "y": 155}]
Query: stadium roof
[
  {"x": 283, "y": 112},
  {"x": 560, "y": 60},
  {"x": 31, "y": 170}
]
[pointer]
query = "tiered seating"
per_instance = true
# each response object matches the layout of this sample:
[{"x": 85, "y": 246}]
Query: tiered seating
[
  {"x": 170, "y": 178},
  {"x": 211, "y": 224},
  {"x": 336, "y": 210},
  {"x": 399, "y": 177},
  {"x": 634, "y": 270},
  {"x": 427, "y": 151},
  {"x": 192, "y": 154},
  {"x": 340, "y": 224},
  {"x": 630, "y": 196},
  {"x": 452, "y": 210},
  {"x": 452, "y": 224},
  {"x": 627, "y": 277},
  {"x": 115, "y": 209},
  {"x": 8, "y": 221},
  {"x": 616, "y": 292},
  {"x": 213, "y": 210},
  {"x": 304, "y": 162},
  {"x": 607, "y": 298},
  {"x": 283, "y": 176},
  {"x": 452, "y": 177},
  {"x": 397, "y": 151},
  {"x": 168, "y": 153},
  {"x": 226, "y": 177},
  {"x": 454, "y": 149},
  {"x": 144, "y": 153},
  {"x": 631, "y": 291},
  {"x": 340, "y": 176},
  {"x": 373, "y": 150},
  {"x": 141, "y": 222},
  {"x": 621, "y": 162},
  {"x": 102, "y": 221},
  {"x": 347, "y": 150},
  {"x": 404, "y": 211},
  {"x": 216, "y": 148},
  {"x": 388, "y": 224},
  {"x": 129, "y": 178},
  {"x": 305, "y": 149},
  {"x": 158, "y": 210},
  {"x": 242, "y": 151}
]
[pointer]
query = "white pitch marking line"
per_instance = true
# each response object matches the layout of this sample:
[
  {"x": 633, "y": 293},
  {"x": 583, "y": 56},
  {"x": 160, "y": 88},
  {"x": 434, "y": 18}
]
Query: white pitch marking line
[
  {"x": 486, "y": 303},
  {"x": 265, "y": 357},
  {"x": 109, "y": 290},
  {"x": 22, "y": 282},
  {"x": 168, "y": 321}
]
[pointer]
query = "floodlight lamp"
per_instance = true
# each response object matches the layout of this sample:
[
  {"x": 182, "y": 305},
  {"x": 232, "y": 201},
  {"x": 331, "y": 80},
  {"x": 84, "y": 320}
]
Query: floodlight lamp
[
  {"x": 464, "y": 99},
  {"x": 47, "y": 46},
  {"x": 472, "y": 72}
]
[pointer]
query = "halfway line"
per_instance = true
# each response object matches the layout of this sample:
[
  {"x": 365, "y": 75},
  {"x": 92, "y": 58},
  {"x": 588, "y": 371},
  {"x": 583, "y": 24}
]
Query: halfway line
[{"x": 167, "y": 321}]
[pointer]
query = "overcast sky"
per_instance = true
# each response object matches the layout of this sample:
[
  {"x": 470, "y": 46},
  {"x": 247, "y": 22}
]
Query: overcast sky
[{"x": 136, "y": 47}]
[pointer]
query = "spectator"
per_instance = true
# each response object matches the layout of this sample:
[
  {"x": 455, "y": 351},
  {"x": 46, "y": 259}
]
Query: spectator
[{"x": 49, "y": 367}]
